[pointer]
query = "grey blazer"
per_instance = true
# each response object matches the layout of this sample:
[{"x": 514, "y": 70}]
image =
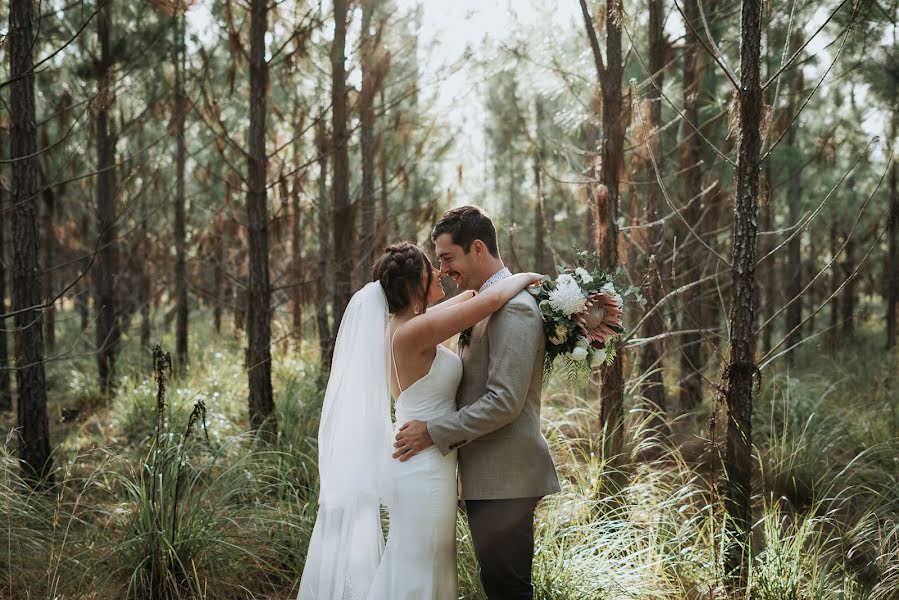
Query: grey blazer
[{"x": 501, "y": 450}]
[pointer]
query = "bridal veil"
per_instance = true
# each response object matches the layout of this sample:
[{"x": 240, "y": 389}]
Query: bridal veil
[{"x": 354, "y": 449}]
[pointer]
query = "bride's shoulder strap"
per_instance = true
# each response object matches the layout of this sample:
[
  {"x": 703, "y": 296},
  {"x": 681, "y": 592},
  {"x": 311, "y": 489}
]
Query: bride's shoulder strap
[{"x": 393, "y": 360}]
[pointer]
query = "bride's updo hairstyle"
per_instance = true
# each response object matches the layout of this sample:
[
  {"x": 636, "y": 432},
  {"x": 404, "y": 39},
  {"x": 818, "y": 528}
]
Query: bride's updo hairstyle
[{"x": 399, "y": 270}]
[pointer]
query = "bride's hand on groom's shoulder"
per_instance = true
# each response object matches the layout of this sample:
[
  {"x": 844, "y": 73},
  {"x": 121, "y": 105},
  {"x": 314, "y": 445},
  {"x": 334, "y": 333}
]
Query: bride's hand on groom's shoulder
[{"x": 534, "y": 279}]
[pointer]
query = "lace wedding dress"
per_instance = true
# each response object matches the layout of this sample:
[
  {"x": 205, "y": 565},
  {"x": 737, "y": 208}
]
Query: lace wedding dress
[{"x": 347, "y": 557}]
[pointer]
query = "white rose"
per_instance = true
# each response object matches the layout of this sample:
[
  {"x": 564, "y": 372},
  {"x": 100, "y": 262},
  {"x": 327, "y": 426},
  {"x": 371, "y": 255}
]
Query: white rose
[
  {"x": 583, "y": 274},
  {"x": 599, "y": 357},
  {"x": 579, "y": 353},
  {"x": 565, "y": 279}
]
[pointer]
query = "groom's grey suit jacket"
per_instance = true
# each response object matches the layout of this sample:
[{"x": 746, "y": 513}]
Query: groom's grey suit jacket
[{"x": 501, "y": 451}]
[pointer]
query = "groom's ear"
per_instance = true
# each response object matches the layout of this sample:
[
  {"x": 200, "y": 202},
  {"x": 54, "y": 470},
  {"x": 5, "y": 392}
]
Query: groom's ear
[{"x": 478, "y": 247}]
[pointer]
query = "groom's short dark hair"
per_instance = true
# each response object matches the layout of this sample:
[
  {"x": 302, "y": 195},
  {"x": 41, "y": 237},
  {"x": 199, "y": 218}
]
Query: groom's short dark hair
[{"x": 466, "y": 224}]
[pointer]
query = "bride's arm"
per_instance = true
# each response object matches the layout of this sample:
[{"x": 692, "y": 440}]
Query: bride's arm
[
  {"x": 435, "y": 326},
  {"x": 462, "y": 297}
]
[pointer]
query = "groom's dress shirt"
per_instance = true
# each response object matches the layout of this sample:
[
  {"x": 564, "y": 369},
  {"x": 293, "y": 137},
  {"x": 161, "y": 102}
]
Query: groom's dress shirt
[
  {"x": 496, "y": 427},
  {"x": 498, "y": 276}
]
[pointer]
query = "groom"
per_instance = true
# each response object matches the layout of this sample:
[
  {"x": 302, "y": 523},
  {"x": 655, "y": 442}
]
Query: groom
[{"x": 504, "y": 464}]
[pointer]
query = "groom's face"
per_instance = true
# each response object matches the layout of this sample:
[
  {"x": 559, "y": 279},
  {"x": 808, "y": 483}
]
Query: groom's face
[{"x": 455, "y": 263}]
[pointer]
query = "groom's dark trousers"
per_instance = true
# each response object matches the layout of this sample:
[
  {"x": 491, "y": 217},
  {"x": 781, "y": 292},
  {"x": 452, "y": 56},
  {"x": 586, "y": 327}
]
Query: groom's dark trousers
[{"x": 503, "y": 535}]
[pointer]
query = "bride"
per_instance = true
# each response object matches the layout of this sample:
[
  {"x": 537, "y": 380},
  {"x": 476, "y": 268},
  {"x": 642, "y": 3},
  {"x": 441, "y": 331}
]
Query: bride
[{"x": 389, "y": 344}]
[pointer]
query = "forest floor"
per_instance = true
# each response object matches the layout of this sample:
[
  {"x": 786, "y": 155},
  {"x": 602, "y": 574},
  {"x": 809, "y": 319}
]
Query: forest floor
[{"x": 209, "y": 512}]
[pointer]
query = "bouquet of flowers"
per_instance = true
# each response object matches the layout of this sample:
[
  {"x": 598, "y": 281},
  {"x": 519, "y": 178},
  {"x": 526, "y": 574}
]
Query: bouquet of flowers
[{"x": 582, "y": 316}]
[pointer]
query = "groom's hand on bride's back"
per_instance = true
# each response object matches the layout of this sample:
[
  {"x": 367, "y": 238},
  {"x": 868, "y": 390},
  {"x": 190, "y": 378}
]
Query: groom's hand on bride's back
[{"x": 412, "y": 438}]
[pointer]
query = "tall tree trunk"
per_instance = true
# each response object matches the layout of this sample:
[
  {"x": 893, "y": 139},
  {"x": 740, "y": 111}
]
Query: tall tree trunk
[
  {"x": 145, "y": 295},
  {"x": 296, "y": 255},
  {"x": 741, "y": 369},
  {"x": 766, "y": 245},
  {"x": 834, "y": 278},
  {"x": 342, "y": 210},
  {"x": 367, "y": 133},
  {"x": 5, "y": 379},
  {"x": 325, "y": 340},
  {"x": 651, "y": 354},
  {"x": 218, "y": 269},
  {"x": 691, "y": 359},
  {"x": 541, "y": 253},
  {"x": 31, "y": 418},
  {"x": 49, "y": 196},
  {"x": 613, "y": 126},
  {"x": 892, "y": 263},
  {"x": 812, "y": 293},
  {"x": 384, "y": 228},
  {"x": 181, "y": 358},
  {"x": 84, "y": 290},
  {"x": 259, "y": 360},
  {"x": 605, "y": 200},
  {"x": 794, "y": 256},
  {"x": 849, "y": 299},
  {"x": 106, "y": 303}
]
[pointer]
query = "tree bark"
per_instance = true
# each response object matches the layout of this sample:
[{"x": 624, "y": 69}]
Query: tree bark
[
  {"x": 848, "y": 304},
  {"x": 849, "y": 299},
  {"x": 31, "y": 418},
  {"x": 84, "y": 290},
  {"x": 105, "y": 272},
  {"x": 145, "y": 290},
  {"x": 367, "y": 133},
  {"x": 613, "y": 125},
  {"x": 541, "y": 253},
  {"x": 384, "y": 228},
  {"x": 181, "y": 327},
  {"x": 326, "y": 345},
  {"x": 49, "y": 196},
  {"x": 834, "y": 278},
  {"x": 218, "y": 268},
  {"x": 741, "y": 369},
  {"x": 343, "y": 217},
  {"x": 766, "y": 245},
  {"x": 691, "y": 360},
  {"x": 794, "y": 246},
  {"x": 296, "y": 255},
  {"x": 5, "y": 379},
  {"x": 605, "y": 201},
  {"x": 259, "y": 361},
  {"x": 892, "y": 263},
  {"x": 651, "y": 354}
]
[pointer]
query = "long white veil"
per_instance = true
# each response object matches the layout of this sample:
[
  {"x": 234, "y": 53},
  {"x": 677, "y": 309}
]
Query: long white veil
[{"x": 354, "y": 449}]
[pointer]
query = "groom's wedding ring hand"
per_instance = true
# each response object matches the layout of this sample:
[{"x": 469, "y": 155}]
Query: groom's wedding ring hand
[{"x": 413, "y": 437}]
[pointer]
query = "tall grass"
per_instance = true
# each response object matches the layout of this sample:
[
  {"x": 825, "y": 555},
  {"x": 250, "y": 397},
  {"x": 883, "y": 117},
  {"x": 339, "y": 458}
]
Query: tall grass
[{"x": 172, "y": 497}]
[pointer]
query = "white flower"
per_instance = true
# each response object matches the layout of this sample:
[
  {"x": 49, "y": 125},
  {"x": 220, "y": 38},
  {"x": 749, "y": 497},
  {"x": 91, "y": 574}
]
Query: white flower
[
  {"x": 565, "y": 279},
  {"x": 583, "y": 274},
  {"x": 567, "y": 298},
  {"x": 608, "y": 288},
  {"x": 599, "y": 357},
  {"x": 579, "y": 353}
]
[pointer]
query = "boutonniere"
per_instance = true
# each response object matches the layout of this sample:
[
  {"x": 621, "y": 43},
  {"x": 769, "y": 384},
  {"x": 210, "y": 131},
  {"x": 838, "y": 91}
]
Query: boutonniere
[{"x": 465, "y": 338}]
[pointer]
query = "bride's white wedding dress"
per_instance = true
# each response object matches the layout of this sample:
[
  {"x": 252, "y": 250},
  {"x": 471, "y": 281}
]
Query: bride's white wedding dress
[
  {"x": 419, "y": 561},
  {"x": 347, "y": 557}
]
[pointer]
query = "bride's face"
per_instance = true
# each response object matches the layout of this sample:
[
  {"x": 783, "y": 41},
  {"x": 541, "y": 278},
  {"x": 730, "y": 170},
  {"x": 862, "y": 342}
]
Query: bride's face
[{"x": 435, "y": 292}]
